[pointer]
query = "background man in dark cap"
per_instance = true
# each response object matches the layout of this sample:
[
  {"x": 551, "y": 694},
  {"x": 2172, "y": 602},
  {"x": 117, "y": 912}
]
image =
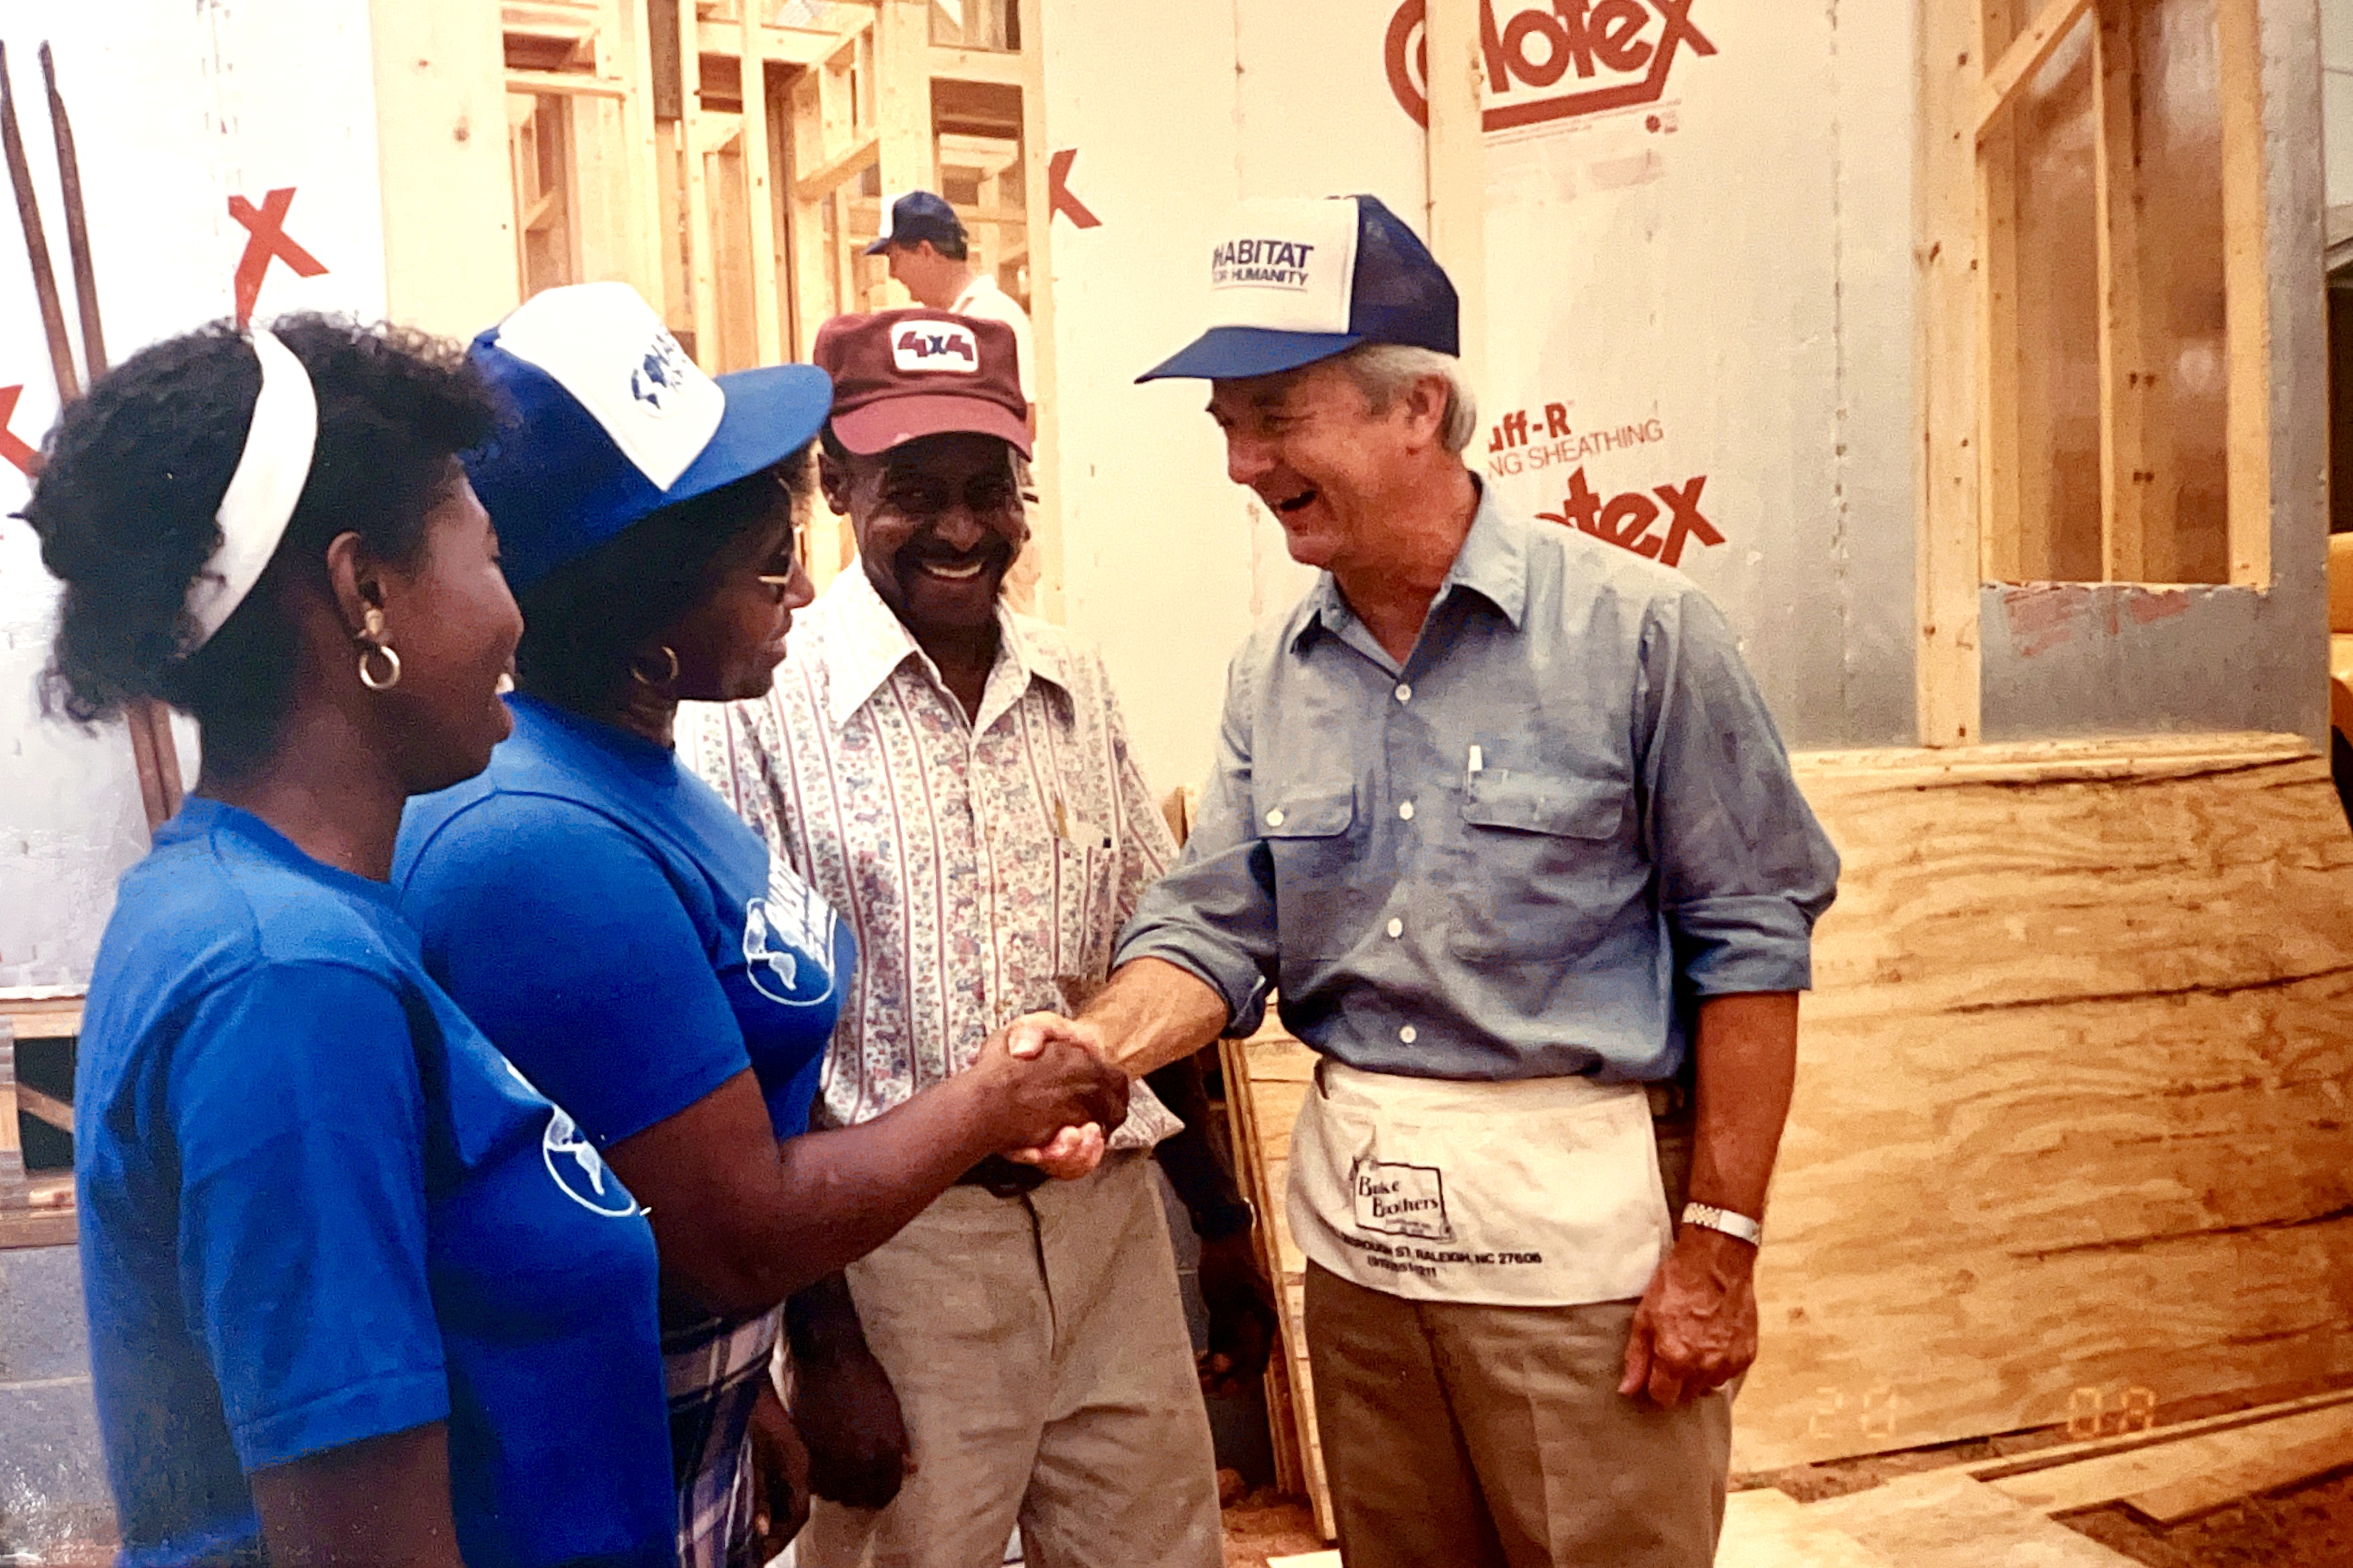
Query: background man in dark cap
[{"x": 930, "y": 256}]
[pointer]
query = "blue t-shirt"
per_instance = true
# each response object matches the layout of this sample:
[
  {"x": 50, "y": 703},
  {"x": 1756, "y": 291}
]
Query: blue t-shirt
[
  {"x": 318, "y": 1208},
  {"x": 618, "y": 931},
  {"x": 626, "y": 940}
]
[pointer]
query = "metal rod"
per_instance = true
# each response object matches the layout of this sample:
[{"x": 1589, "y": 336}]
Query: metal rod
[
  {"x": 36, "y": 242},
  {"x": 154, "y": 751},
  {"x": 85, "y": 277}
]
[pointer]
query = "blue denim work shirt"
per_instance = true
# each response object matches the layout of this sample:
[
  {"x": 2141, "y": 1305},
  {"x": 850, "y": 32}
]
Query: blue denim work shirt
[{"x": 1526, "y": 852}]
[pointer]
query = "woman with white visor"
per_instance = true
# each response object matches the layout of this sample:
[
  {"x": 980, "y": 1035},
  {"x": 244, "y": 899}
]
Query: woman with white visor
[{"x": 345, "y": 1302}]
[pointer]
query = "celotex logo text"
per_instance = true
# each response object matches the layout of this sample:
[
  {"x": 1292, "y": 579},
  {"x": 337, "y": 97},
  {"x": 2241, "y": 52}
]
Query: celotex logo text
[{"x": 1554, "y": 61}]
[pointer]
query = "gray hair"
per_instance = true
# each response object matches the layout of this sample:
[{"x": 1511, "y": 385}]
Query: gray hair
[{"x": 1384, "y": 372}]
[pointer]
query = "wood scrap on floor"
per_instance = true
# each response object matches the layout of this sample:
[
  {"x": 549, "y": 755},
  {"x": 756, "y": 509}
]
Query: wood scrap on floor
[
  {"x": 1768, "y": 1529},
  {"x": 2183, "y": 1476},
  {"x": 1941, "y": 1519},
  {"x": 2094, "y": 1448},
  {"x": 2247, "y": 1474}
]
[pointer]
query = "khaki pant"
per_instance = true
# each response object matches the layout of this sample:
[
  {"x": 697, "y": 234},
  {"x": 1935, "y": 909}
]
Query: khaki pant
[
  {"x": 1478, "y": 1437},
  {"x": 1038, "y": 1348}
]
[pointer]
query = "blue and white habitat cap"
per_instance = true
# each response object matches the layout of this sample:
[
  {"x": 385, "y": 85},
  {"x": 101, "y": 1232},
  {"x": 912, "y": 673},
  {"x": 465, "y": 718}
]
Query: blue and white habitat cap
[
  {"x": 1296, "y": 281},
  {"x": 606, "y": 421}
]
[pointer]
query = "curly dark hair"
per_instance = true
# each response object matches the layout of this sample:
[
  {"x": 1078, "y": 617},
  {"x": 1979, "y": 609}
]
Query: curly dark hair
[
  {"x": 585, "y": 620},
  {"x": 134, "y": 473}
]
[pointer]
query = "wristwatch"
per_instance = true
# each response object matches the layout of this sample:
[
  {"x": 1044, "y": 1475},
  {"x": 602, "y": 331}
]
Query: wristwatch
[{"x": 1738, "y": 1226}]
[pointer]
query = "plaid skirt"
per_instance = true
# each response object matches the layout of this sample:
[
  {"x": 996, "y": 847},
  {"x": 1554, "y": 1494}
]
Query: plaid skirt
[{"x": 713, "y": 1367}]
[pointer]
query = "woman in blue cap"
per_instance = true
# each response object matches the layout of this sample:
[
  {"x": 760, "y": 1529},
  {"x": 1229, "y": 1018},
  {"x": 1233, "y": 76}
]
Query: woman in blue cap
[
  {"x": 346, "y": 1304},
  {"x": 616, "y": 931}
]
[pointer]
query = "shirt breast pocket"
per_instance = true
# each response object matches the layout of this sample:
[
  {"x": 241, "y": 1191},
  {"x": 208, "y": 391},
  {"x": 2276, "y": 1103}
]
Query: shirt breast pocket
[
  {"x": 1084, "y": 876},
  {"x": 1541, "y": 864},
  {"x": 1317, "y": 875}
]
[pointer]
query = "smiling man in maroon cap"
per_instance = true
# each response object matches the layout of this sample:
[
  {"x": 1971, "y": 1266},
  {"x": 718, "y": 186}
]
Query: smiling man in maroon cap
[{"x": 956, "y": 778}]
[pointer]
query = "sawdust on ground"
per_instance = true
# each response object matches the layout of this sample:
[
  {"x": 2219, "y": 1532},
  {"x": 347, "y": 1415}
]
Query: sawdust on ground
[{"x": 1268, "y": 1524}]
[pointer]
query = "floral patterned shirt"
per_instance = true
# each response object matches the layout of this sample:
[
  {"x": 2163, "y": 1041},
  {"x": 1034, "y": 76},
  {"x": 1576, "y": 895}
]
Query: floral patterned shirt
[{"x": 987, "y": 865}]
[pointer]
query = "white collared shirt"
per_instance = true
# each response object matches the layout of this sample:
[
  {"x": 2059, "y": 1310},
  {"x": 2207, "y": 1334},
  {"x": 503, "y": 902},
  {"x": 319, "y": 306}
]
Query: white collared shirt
[
  {"x": 983, "y": 299},
  {"x": 986, "y": 866}
]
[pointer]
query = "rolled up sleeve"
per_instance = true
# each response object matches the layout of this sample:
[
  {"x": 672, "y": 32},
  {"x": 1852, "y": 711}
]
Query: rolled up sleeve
[
  {"x": 1214, "y": 914},
  {"x": 1743, "y": 869}
]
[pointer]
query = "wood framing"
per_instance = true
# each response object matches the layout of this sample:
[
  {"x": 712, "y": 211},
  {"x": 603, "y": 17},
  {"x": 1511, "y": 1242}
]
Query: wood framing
[
  {"x": 768, "y": 331},
  {"x": 1946, "y": 351},
  {"x": 2246, "y": 289},
  {"x": 1046, "y": 512},
  {"x": 442, "y": 149},
  {"x": 2010, "y": 70},
  {"x": 2127, "y": 475},
  {"x": 2161, "y": 468},
  {"x": 701, "y": 274}
]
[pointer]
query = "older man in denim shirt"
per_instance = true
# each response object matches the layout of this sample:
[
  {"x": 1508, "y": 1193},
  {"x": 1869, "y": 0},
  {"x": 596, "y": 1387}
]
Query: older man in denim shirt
[{"x": 1499, "y": 810}]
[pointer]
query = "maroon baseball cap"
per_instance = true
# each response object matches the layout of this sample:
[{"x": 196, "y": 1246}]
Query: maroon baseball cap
[{"x": 901, "y": 374}]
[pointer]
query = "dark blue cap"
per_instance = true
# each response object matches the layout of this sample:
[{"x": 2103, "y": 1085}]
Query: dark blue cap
[
  {"x": 920, "y": 215},
  {"x": 606, "y": 421},
  {"x": 1294, "y": 281}
]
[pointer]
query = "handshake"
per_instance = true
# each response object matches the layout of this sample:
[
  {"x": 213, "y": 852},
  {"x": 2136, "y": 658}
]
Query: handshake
[{"x": 1047, "y": 1091}]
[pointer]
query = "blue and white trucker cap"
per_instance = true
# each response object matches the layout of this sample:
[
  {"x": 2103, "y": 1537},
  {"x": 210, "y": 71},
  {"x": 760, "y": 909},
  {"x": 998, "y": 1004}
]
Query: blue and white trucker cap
[
  {"x": 1293, "y": 281},
  {"x": 607, "y": 421}
]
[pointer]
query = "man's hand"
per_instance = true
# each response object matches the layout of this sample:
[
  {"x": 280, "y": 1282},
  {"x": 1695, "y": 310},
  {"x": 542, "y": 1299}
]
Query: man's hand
[
  {"x": 1696, "y": 1326},
  {"x": 780, "y": 1474},
  {"x": 1241, "y": 1314},
  {"x": 1041, "y": 1083},
  {"x": 1028, "y": 1035},
  {"x": 1075, "y": 1152},
  {"x": 848, "y": 1416}
]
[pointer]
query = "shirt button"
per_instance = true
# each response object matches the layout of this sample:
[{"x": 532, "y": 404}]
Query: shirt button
[
  {"x": 1405, "y": 692},
  {"x": 1274, "y": 817},
  {"x": 1405, "y": 811},
  {"x": 1408, "y": 1034},
  {"x": 1396, "y": 928}
]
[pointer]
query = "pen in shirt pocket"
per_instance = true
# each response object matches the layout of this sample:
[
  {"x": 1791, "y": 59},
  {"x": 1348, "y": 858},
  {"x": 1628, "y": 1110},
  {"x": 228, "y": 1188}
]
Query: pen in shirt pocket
[{"x": 1472, "y": 768}]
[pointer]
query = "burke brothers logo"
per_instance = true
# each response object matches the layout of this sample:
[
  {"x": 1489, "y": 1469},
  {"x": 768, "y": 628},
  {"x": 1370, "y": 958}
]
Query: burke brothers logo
[{"x": 1560, "y": 62}]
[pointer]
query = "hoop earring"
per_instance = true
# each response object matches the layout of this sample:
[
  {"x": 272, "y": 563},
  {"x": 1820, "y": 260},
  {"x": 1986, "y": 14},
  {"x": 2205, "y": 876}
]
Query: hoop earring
[
  {"x": 656, "y": 682},
  {"x": 372, "y": 646}
]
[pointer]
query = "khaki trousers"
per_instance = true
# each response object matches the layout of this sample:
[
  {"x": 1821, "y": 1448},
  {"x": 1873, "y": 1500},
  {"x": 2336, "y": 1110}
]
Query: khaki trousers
[
  {"x": 1038, "y": 1348},
  {"x": 1476, "y": 1437}
]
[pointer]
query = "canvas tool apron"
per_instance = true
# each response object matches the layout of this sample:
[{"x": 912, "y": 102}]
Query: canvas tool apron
[{"x": 1537, "y": 1192}]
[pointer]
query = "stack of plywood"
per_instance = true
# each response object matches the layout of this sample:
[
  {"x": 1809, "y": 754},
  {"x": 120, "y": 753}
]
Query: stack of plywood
[{"x": 2071, "y": 1136}]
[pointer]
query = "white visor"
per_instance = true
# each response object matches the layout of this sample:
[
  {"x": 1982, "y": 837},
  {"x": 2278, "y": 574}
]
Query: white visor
[{"x": 262, "y": 493}]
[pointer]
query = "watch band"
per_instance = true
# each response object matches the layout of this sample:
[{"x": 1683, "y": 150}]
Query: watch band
[{"x": 1738, "y": 1226}]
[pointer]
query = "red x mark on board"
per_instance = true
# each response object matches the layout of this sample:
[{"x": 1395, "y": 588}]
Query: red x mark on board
[
  {"x": 267, "y": 228},
  {"x": 1057, "y": 191},
  {"x": 21, "y": 456}
]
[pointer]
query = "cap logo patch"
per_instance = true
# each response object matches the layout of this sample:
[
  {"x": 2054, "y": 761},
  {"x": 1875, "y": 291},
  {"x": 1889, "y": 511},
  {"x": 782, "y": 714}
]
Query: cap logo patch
[
  {"x": 659, "y": 375},
  {"x": 936, "y": 347},
  {"x": 1279, "y": 263}
]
